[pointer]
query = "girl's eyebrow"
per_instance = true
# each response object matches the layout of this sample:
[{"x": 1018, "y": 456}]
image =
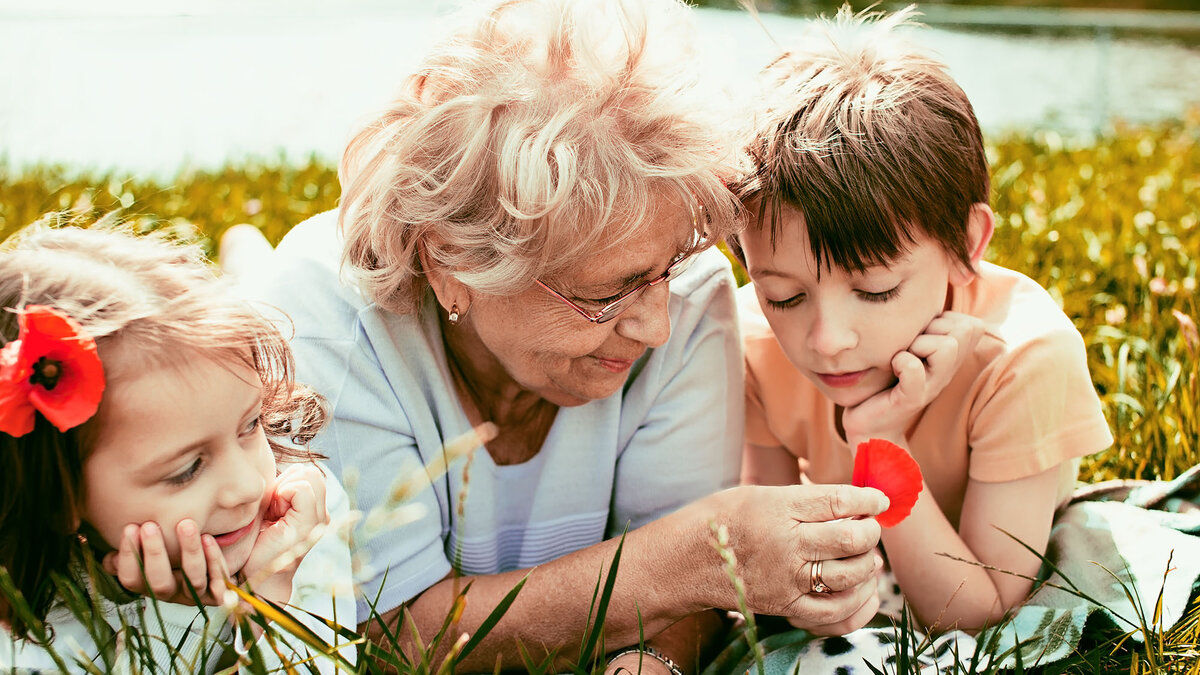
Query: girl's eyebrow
[
  {"x": 167, "y": 460},
  {"x": 256, "y": 403}
]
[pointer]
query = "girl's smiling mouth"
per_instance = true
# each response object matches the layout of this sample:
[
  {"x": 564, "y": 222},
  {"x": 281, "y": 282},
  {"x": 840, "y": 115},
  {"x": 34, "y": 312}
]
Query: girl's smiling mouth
[{"x": 231, "y": 538}]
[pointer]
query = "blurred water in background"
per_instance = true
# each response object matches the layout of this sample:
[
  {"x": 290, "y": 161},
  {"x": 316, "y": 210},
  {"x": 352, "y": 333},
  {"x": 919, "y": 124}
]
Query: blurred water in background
[{"x": 149, "y": 85}]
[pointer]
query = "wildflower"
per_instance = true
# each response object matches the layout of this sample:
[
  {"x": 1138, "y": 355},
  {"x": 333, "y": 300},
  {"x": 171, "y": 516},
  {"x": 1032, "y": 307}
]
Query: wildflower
[
  {"x": 891, "y": 470},
  {"x": 1139, "y": 263},
  {"x": 52, "y": 368},
  {"x": 406, "y": 487},
  {"x": 1191, "y": 336},
  {"x": 390, "y": 517},
  {"x": 1115, "y": 315},
  {"x": 457, "y": 609}
]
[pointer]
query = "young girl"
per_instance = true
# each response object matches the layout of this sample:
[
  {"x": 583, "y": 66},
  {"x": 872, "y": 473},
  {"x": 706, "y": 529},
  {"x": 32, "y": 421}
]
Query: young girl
[
  {"x": 143, "y": 408},
  {"x": 869, "y": 224}
]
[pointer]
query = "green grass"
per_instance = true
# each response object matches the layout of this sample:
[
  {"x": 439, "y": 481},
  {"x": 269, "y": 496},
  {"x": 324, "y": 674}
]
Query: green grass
[{"x": 1112, "y": 229}]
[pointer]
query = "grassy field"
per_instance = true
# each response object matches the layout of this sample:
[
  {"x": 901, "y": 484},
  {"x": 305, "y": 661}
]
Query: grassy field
[{"x": 1112, "y": 229}]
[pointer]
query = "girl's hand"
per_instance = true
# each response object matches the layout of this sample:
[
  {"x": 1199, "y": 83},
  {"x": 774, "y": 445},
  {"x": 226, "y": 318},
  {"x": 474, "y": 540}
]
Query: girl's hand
[
  {"x": 297, "y": 509},
  {"x": 201, "y": 564},
  {"x": 922, "y": 372}
]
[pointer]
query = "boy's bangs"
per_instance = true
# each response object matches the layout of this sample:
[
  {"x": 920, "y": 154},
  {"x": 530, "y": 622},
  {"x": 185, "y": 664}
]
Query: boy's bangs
[{"x": 852, "y": 228}]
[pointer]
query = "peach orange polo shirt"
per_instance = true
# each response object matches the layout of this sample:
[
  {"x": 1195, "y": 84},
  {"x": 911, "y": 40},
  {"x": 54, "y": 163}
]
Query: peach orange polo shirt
[{"x": 1022, "y": 403}]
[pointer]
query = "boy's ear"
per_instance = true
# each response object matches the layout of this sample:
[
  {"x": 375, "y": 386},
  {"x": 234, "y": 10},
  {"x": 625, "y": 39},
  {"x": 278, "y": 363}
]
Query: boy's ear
[
  {"x": 448, "y": 289},
  {"x": 734, "y": 244},
  {"x": 981, "y": 223}
]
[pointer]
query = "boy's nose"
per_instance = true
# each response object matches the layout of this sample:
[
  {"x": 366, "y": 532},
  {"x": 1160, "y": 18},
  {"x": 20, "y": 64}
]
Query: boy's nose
[{"x": 830, "y": 335}]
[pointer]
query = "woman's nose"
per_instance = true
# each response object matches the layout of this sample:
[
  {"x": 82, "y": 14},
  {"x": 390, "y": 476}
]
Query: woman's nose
[{"x": 648, "y": 320}]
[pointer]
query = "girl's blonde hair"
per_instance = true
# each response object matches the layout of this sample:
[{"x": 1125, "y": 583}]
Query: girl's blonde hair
[
  {"x": 158, "y": 299},
  {"x": 543, "y": 133}
]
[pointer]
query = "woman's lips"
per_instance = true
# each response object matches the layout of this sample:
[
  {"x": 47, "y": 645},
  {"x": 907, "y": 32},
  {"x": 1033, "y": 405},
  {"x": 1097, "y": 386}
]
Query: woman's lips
[
  {"x": 841, "y": 380},
  {"x": 231, "y": 538},
  {"x": 615, "y": 365}
]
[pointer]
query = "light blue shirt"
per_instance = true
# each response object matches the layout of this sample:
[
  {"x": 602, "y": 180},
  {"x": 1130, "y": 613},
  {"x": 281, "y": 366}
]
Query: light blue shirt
[{"x": 672, "y": 435}]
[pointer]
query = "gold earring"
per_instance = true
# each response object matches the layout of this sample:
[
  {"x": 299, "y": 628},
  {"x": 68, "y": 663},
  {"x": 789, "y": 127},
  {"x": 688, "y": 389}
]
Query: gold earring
[{"x": 453, "y": 313}]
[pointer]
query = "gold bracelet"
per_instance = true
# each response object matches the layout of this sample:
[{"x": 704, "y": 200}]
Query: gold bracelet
[{"x": 652, "y": 652}]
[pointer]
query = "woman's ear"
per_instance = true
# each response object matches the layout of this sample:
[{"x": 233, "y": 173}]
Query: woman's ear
[
  {"x": 449, "y": 290},
  {"x": 981, "y": 223}
]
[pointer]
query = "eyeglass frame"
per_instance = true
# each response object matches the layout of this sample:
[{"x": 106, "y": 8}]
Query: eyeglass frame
[{"x": 606, "y": 313}]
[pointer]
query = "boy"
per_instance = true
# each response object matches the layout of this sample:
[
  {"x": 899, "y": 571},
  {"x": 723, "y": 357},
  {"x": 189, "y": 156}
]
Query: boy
[{"x": 869, "y": 221}]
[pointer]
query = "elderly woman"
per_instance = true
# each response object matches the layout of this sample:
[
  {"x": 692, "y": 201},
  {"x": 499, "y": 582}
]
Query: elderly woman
[{"x": 528, "y": 233}]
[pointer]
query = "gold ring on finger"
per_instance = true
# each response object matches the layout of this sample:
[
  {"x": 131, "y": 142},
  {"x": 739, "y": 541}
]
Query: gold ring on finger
[{"x": 818, "y": 584}]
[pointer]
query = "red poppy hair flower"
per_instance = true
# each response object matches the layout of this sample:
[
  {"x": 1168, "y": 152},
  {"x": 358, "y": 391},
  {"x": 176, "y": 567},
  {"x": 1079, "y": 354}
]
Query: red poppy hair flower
[
  {"x": 52, "y": 368},
  {"x": 888, "y": 468}
]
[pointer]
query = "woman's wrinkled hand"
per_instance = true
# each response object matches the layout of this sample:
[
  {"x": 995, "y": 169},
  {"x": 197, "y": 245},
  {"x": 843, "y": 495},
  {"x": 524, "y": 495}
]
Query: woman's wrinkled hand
[
  {"x": 777, "y": 533},
  {"x": 861, "y": 616}
]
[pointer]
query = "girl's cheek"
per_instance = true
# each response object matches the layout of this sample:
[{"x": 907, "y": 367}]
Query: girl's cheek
[
  {"x": 270, "y": 475},
  {"x": 171, "y": 540}
]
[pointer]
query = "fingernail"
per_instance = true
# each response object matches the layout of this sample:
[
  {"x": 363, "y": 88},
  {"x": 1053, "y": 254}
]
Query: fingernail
[
  {"x": 187, "y": 528},
  {"x": 150, "y": 529}
]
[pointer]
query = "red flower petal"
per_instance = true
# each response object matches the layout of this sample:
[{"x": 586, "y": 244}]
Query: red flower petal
[
  {"x": 890, "y": 469},
  {"x": 16, "y": 412},
  {"x": 48, "y": 333}
]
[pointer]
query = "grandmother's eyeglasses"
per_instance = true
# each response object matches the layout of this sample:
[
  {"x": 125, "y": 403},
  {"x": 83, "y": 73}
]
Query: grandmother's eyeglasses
[{"x": 626, "y": 299}]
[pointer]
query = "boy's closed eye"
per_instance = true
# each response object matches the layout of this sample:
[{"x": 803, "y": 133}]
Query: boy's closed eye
[
  {"x": 879, "y": 296},
  {"x": 788, "y": 303},
  {"x": 863, "y": 294}
]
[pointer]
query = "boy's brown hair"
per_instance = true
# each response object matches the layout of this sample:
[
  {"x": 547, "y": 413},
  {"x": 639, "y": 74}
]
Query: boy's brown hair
[{"x": 870, "y": 139}]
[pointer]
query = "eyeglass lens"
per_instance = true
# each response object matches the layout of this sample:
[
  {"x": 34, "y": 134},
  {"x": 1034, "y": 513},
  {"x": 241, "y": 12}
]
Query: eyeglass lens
[{"x": 609, "y": 313}]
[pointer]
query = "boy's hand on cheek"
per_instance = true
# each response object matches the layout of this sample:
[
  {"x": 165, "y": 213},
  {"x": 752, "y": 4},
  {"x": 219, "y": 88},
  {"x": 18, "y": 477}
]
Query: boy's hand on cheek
[
  {"x": 922, "y": 372},
  {"x": 143, "y": 548},
  {"x": 290, "y": 528}
]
